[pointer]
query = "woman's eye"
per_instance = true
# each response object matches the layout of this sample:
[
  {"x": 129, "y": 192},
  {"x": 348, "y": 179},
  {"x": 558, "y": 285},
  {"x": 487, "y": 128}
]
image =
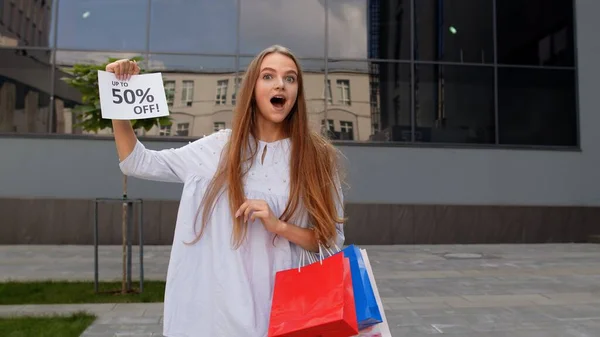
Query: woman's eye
[
  {"x": 291, "y": 79},
  {"x": 267, "y": 77}
]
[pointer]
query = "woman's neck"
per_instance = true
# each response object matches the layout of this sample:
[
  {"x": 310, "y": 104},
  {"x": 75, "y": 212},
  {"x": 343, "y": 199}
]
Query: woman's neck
[{"x": 269, "y": 132}]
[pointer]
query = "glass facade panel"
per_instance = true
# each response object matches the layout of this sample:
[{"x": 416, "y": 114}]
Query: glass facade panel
[
  {"x": 25, "y": 90},
  {"x": 451, "y": 31},
  {"x": 102, "y": 25},
  {"x": 536, "y": 32},
  {"x": 479, "y": 72},
  {"x": 454, "y": 104},
  {"x": 25, "y": 23},
  {"x": 348, "y": 31},
  {"x": 193, "y": 26},
  {"x": 373, "y": 96},
  {"x": 537, "y": 107},
  {"x": 201, "y": 89},
  {"x": 374, "y": 29},
  {"x": 298, "y": 25}
]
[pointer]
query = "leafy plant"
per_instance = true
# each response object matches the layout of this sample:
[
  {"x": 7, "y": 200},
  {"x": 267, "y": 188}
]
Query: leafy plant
[{"x": 88, "y": 114}]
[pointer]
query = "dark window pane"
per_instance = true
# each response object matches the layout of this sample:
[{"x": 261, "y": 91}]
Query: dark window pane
[
  {"x": 373, "y": 96},
  {"x": 454, "y": 104},
  {"x": 101, "y": 24},
  {"x": 314, "y": 87},
  {"x": 535, "y": 32},
  {"x": 197, "y": 26},
  {"x": 202, "y": 88},
  {"x": 537, "y": 107},
  {"x": 29, "y": 26},
  {"x": 298, "y": 25},
  {"x": 24, "y": 90},
  {"x": 375, "y": 29},
  {"x": 454, "y": 31}
]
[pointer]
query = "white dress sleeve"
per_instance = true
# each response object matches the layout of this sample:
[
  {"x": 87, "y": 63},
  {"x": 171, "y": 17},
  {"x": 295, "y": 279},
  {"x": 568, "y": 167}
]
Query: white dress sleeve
[{"x": 200, "y": 157}]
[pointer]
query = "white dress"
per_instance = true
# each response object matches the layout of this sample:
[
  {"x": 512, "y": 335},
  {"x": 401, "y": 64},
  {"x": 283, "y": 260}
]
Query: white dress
[{"x": 213, "y": 289}]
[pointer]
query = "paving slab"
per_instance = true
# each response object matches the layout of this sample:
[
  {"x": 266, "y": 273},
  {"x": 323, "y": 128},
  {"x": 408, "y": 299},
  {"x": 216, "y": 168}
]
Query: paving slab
[{"x": 546, "y": 290}]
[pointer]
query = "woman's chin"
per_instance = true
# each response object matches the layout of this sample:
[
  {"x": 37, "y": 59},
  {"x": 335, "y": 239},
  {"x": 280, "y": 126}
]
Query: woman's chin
[{"x": 276, "y": 115}]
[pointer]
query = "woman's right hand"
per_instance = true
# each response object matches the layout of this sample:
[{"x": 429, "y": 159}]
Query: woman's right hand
[
  {"x": 123, "y": 69},
  {"x": 125, "y": 137}
]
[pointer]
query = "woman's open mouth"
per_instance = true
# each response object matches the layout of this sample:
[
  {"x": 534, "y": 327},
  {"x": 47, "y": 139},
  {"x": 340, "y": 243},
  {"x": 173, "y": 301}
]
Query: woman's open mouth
[{"x": 278, "y": 101}]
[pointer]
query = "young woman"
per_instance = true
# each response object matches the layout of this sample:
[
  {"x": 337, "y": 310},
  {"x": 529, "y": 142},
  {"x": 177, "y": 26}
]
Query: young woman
[{"x": 253, "y": 198}]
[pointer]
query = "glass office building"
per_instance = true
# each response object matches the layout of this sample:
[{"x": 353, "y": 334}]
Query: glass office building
[
  {"x": 463, "y": 121},
  {"x": 481, "y": 72}
]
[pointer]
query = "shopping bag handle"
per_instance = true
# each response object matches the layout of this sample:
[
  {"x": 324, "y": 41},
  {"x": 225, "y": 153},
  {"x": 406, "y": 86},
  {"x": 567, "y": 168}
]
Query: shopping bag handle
[{"x": 311, "y": 256}]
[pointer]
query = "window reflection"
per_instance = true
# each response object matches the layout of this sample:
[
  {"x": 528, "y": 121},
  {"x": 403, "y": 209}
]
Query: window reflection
[
  {"x": 25, "y": 90},
  {"x": 395, "y": 30},
  {"x": 370, "y": 101},
  {"x": 544, "y": 113},
  {"x": 454, "y": 104},
  {"x": 25, "y": 23},
  {"x": 390, "y": 101},
  {"x": 454, "y": 30},
  {"x": 298, "y": 25},
  {"x": 535, "y": 32},
  {"x": 67, "y": 59},
  {"x": 170, "y": 91},
  {"x": 195, "y": 26},
  {"x": 199, "y": 90},
  {"x": 348, "y": 30},
  {"x": 374, "y": 29},
  {"x": 101, "y": 24},
  {"x": 366, "y": 93}
]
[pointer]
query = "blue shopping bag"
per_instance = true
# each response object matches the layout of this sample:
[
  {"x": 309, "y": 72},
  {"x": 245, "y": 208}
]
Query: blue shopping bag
[{"x": 367, "y": 310}]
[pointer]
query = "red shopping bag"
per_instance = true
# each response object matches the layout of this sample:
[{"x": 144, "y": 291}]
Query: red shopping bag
[{"x": 316, "y": 300}]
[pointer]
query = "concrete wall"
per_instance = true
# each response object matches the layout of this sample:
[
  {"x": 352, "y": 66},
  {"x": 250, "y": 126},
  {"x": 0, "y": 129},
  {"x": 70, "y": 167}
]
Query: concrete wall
[{"x": 86, "y": 168}]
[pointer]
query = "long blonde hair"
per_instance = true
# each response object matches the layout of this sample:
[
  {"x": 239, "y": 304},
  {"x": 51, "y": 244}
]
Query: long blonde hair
[{"x": 314, "y": 174}]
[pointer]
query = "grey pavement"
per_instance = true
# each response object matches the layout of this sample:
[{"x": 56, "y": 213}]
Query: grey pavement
[{"x": 550, "y": 290}]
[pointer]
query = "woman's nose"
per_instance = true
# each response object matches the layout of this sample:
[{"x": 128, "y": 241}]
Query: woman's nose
[{"x": 279, "y": 82}]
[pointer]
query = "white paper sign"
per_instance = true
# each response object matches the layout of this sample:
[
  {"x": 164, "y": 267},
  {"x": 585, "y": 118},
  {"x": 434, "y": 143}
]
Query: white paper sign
[{"x": 140, "y": 97}]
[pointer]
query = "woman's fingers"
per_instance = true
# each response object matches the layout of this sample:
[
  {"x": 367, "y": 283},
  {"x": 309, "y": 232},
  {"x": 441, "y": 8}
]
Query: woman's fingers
[
  {"x": 123, "y": 69},
  {"x": 136, "y": 68},
  {"x": 242, "y": 209},
  {"x": 259, "y": 215},
  {"x": 252, "y": 209},
  {"x": 247, "y": 212}
]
